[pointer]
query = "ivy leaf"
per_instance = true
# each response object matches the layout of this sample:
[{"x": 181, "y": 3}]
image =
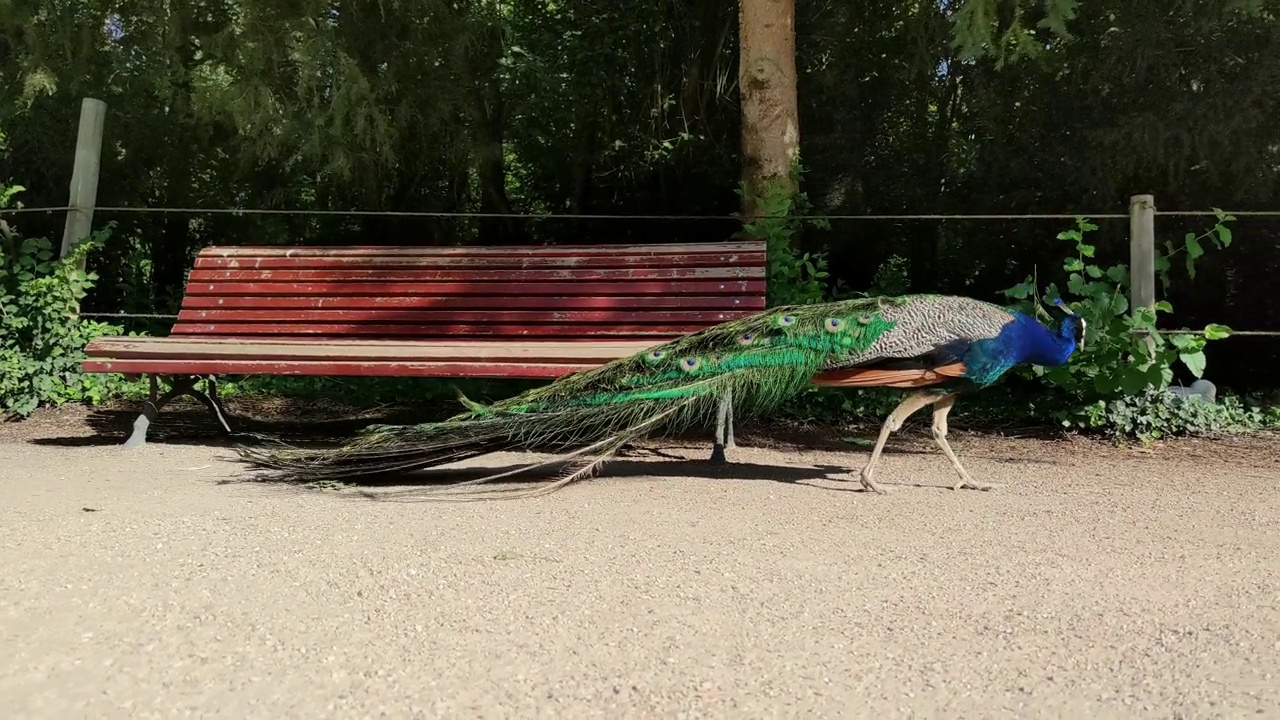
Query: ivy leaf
[
  {"x": 1086, "y": 250},
  {"x": 1195, "y": 362},
  {"x": 1135, "y": 379},
  {"x": 1094, "y": 271},
  {"x": 1215, "y": 331},
  {"x": 1224, "y": 235},
  {"x": 1020, "y": 291},
  {"x": 1164, "y": 306},
  {"x": 1075, "y": 284},
  {"x": 1162, "y": 264},
  {"x": 1106, "y": 383},
  {"x": 1194, "y": 248}
]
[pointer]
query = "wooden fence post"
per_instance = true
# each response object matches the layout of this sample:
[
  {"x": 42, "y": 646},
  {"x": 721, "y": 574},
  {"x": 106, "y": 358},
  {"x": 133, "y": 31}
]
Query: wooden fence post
[
  {"x": 1142, "y": 255},
  {"x": 1142, "y": 251},
  {"x": 84, "y": 174}
]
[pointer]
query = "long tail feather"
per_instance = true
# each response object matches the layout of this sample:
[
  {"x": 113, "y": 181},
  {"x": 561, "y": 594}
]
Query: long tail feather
[{"x": 599, "y": 451}]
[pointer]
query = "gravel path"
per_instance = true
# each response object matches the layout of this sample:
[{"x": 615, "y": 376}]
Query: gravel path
[{"x": 1094, "y": 584}]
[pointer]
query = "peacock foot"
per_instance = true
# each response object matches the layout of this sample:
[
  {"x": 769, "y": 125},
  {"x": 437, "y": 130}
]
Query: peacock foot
[
  {"x": 870, "y": 484},
  {"x": 969, "y": 483}
]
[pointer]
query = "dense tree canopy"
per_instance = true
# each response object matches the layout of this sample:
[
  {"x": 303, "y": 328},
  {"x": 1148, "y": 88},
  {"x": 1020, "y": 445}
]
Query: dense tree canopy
[{"x": 632, "y": 106}]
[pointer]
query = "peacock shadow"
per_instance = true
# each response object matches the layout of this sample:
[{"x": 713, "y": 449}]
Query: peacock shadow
[
  {"x": 425, "y": 485},
  {"x": 404, "y": 484},
  {"x": 671, "y": 461}
]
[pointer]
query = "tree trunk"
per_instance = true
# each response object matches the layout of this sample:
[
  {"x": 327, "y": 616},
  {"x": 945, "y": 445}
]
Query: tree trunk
[
  {"x": 488, "y": 135},
  {"x": 767, "y": 83}
]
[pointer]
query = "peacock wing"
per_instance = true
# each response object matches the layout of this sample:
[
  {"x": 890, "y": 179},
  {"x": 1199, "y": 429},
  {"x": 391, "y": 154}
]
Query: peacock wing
[{"x": 926, "y": 343}]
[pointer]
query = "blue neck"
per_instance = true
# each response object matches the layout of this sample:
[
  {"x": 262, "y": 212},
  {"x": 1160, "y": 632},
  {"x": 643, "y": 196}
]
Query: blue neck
[{"x": 1038, "y": 345}]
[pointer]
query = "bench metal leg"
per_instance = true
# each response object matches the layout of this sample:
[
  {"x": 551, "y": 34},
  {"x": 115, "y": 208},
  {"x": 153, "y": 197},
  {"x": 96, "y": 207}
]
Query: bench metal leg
[
  {"x": 213, "y": 402},
  {"x": 724, "y": 430},
  {"x": 182, "y": 385}
]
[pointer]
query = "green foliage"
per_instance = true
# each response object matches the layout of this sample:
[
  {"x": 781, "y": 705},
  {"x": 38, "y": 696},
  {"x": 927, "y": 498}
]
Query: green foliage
[
  {"x": 1154, "y": 414},
  {"x": 795, "y": 277},
  {"x": 1000, "y": 28},
  {"x": 892, "y": 277},
  {"x": 1124, "y": 354},
  {"x": 42, "y": 339}
]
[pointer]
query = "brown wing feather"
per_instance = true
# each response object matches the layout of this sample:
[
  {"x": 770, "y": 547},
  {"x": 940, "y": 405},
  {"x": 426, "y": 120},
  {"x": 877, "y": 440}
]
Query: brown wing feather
[{"x": 870, "y": 377}]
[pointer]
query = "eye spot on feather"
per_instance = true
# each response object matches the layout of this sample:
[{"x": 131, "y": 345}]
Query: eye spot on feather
[
  {"x": 690, "y": 364},
  {"x": 786, "y": 320},
  {"x": 746, "y": 338},
  {"x": 655, "y": 356},
  {"x": 864, "y": 319},
  {"x": 833, "y": 324}
]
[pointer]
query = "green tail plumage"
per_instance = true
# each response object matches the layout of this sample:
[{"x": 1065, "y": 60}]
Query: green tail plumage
[{"x": 588, "y": 416}]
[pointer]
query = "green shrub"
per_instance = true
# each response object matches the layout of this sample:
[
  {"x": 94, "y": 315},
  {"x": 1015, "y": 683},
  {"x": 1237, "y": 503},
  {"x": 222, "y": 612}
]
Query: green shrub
[
  {"x": 42, "y": 339},
  {"x": 794, "y": 277},
  {"x": 1118, "y": 381},
  {"x": 1154, "y": 413}
]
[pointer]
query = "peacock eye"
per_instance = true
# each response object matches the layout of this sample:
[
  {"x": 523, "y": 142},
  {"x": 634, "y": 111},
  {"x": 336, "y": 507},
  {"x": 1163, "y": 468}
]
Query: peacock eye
[
  {"x": 656, "y": 355},
  {"x": 786, "y": 320},
  {"x": 746, "y": 338},
  {"x": 864, "y": 319},
  {"x": 834, "y": 324},
  {"x": 689, "y": 364}
]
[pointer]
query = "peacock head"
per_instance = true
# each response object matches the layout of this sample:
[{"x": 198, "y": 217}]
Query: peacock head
[{"x": 1072, "y": 326}]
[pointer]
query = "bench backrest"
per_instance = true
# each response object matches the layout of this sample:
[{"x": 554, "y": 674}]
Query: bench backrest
[{"x": 530, "y": 293}]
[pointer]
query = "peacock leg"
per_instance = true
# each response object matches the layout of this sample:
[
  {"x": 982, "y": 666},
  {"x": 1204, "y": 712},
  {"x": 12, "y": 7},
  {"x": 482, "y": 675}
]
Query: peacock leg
[
  {"x": 909, "y": 405},
  {"x": 940, "y": 410},
  {"x": 724, "y": 430}
]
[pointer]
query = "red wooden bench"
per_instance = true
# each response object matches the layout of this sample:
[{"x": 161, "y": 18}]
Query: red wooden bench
[{"x": 495, "y": 312}]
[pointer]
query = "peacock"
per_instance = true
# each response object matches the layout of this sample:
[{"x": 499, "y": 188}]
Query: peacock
[{"x": 934, "y": 346}]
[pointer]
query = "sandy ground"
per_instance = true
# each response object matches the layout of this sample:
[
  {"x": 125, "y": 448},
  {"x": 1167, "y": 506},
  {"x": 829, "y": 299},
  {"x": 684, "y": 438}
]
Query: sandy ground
[{"x": 1097, "y": 583}]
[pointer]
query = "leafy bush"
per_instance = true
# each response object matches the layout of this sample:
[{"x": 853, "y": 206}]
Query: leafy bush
[
  {"x": 1118, "y": 380},
  {"x": 42, "y": 339},
  {"x": 1154, "y": 414},
  {"x": 794, "y": 277}
]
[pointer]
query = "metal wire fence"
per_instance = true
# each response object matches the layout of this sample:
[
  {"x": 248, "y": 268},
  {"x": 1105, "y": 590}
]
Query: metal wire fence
[
  {"x": 605, "y": 216},
  {"x": 124, "y": 209}
]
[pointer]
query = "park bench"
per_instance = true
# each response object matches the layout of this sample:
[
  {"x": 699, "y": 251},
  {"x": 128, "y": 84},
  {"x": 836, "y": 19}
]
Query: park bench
[{"x": 475, "y": 312}]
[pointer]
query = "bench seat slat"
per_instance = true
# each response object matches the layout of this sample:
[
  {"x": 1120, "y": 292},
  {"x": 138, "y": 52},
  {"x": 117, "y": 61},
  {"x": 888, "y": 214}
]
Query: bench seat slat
[
  {"x": 438, "y": 329},
  {"x": 699, "y": 287},
  {"x": 518, "y": 262},
  {"x": 364, "y": 368},
  {"x": 655, "y": 250},
  {"x": 467, "y": 317},
  {"x": 636, "y": 303},
  {"x": 352, "y": 349},
  {"x": 478, "y": 276}
]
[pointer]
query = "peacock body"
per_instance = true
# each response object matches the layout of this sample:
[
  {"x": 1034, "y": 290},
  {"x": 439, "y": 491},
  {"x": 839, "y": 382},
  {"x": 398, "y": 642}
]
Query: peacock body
[{"x": 936, "y": 345}]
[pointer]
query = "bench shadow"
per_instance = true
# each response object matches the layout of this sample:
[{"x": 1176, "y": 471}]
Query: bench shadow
[{"x": 192, "y": 426}]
